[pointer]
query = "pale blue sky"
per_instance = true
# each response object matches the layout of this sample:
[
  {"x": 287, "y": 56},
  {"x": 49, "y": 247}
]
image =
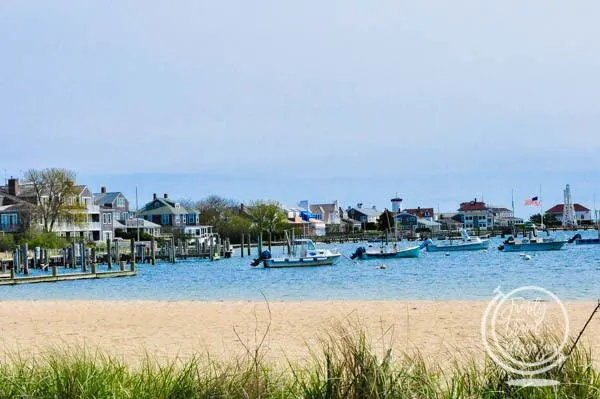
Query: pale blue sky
[{"x": 439, "y": 101}]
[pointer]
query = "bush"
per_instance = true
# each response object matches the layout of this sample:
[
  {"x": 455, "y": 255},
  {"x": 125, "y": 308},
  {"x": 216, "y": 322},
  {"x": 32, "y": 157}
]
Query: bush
[{"x": 7, "y": 242}]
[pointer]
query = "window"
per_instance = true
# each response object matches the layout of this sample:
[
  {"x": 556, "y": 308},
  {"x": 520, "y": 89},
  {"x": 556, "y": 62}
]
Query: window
[
  {"x": 107, "y": 218},
  {"x": 120, "y": 202},
  {"x": 164, "y": 220}
]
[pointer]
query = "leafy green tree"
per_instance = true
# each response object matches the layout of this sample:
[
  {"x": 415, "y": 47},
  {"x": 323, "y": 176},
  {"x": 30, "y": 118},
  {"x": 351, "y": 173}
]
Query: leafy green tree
[
  {"x": 7, "y": 242},
  {"x": 550, "y": 220},
  {"x": 385, "y": 222},
  {"x": 267, "y": 217},
  {"x": 56, "y": 197}
]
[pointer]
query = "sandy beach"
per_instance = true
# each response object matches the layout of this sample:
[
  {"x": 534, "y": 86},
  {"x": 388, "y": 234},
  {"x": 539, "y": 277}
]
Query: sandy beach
[{"x": 165, "y": 330}]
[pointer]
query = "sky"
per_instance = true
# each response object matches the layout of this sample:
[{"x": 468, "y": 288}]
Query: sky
[{"x": 437, "y": 101}]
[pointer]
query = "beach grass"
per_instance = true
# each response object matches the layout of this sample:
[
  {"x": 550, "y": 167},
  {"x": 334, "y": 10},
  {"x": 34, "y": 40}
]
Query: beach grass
[{"x": 345, "y": 365}]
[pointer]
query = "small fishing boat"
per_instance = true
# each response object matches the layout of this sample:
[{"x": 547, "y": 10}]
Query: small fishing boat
[
  {"x": 303, "y": 253},
  {"x": 531, "y": 243},
  {"x": 386, "y": 253},
  {"x": 465, "y": 243},
  {"x": 584, "y": 241}
]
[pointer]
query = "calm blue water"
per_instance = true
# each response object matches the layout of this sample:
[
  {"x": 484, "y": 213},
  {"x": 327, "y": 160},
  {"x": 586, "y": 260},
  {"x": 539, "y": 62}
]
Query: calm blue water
[{"x": 572, "y": 273}]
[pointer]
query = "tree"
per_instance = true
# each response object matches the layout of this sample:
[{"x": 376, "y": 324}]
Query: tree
[
  {"x": 386, "y": 221},
  {"x": 267, "y": 217},
  {"x": 56, "y": 197},
  {"x": 550, "y": 220}
]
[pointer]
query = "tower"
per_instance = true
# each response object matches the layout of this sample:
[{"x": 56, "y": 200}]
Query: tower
[
  {"x": 569, "y": 219},
  {"x": 396, "y": 204}
]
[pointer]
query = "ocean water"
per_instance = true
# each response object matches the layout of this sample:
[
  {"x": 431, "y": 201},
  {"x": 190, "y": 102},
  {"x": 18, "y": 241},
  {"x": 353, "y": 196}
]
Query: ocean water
[{"x": 572, "y": 274}]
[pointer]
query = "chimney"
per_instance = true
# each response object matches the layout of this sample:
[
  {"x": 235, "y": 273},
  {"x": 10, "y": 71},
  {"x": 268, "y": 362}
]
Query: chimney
[
  {"x": 103, "y": 190},
  {"x": 165, "y": 196},
  {"x": 13, "y": 186},
  {"x": 154, "y": 196}
]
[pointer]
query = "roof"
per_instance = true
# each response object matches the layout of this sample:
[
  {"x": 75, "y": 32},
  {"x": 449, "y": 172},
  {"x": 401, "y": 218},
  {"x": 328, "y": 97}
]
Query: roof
[
  {"x": 419, "y": 211},
  {"x": 105, "y": 198},
  {"x": 162, "y": 206},
  {"x": 143, "y": 224},
  {"x": 426, "y": 222},
  {"x": 368, "y": 211},
  {"x": 559, "y": 208},
  {"x": 499, "y": 209},
  {"x": 331, "y": 207},
  {"x": 472, "y": 206}
]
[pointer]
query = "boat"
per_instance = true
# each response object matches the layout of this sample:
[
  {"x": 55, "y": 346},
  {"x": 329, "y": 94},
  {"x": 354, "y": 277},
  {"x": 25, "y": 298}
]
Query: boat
[
  {"x": 531, "y": 243},
  {"x": 465, "y": 243},
  {"x": 584, "y": 241},
  {"x": 303, "y": 253},
  {"x": 386, "y": 253}
]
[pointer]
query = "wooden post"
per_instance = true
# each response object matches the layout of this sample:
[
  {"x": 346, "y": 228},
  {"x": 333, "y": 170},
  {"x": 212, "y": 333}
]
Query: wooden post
[
  {"x": 172, "y": 249},
  {"x": 82, "y": 255},
  {"x": 122, "y": 265},
  {"x": 109, "y": 254},
  {"x": 93, "y": 266},
  {"x": 242, "y": 246},
  {"x": 259, "y": 244},
  {"x": 64, "y": 257},
  {"x": 16, "y": 260},
  {"x": 211, "y": 249},
  {"x": 54, "y": 270},
  {"x": 270, "y": 239},
  {"x": 25, "y": 259},
  {"x": 73, "y": 256},
  {"x": 249, "y": 244},
  {"x": 152, "y": 253},
  {"x": 117, "y": 254},
  {"x": 132, "y": 245}
]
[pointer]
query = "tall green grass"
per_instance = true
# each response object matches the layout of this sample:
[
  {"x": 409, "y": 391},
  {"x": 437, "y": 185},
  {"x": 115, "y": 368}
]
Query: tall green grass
[{"x": 344, "y": 365}]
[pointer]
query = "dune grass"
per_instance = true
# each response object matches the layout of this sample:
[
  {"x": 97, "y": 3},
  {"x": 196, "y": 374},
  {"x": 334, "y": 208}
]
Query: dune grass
[{"x": 344, "y": 365}]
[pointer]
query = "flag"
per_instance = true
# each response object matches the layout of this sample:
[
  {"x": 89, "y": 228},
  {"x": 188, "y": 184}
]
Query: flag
[{"x": 533, "y": 201}]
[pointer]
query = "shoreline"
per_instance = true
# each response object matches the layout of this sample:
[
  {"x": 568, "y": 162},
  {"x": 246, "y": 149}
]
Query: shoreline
[{"x": 130, "y": 329}]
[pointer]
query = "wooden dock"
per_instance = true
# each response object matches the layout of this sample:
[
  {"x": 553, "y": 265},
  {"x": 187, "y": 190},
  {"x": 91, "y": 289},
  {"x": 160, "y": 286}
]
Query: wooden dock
[{"x": 6, "y": 280}]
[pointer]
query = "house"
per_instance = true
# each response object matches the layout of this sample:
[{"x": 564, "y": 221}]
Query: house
[
  {"x": 363, "y": 215},
  {"x": 132, "y": 225},
  {"x": 306, "y": 221},
  {"x": 582, "y": 214},
  {"x": 450, "y": 221},
  {"x": 114, "y": 211},
  {"x": 502, "y": 217},
  {"x": 422, "y": 213},
  {"x": 410, "y": 222},
  {"x": 329, "y": 213},
  {"x": 475, "y": 215},
  {"x": 479, "y": 216},
  {"x": 169, "y": 214},
  {"x": 19, "y": 198}
]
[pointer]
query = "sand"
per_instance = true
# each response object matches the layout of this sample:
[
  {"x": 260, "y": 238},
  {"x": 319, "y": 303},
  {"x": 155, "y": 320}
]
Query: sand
[{"x": 166, "y": 330}]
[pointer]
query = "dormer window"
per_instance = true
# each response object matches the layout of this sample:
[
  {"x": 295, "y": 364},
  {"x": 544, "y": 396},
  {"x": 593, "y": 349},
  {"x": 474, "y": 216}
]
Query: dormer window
[{"x": 177, "y": 205}]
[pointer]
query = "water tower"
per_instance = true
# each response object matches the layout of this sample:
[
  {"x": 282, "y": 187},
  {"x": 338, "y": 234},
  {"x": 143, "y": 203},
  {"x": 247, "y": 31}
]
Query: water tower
[{"x": 396, "y": 204}]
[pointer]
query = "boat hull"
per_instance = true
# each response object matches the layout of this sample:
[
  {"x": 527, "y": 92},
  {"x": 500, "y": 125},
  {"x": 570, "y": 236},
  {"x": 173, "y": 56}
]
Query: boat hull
[
  {"x": 476, "y": 246},
  {"x": 275, "y": 263},
  {"x": 535, "y": 246},
  {"x": 412, "y": 252},
  {"x": 587, "y": 241}
]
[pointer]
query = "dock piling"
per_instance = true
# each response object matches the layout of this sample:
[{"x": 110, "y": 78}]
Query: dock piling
[
  {"x": 25, "y": 259},
  {"x": 152, "y": 252},
  {"x": 109, "y": 254},
  {"x": 242, "y": 246}
]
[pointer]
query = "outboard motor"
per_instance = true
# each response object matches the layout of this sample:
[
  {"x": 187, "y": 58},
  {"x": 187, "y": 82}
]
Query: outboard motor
[
  {"x": 358, "y": 253},
  {"x": 575, "y": 238},
  {"x": 264, "y": 255},
  {"x": 425, "y": 243}
]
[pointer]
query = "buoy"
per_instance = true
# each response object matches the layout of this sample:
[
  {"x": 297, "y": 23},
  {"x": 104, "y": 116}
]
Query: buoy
[
  {"x": 383, "y": 267},
  {"x": 447, "y": 253},
  {"x": 522, "y": 255},
  {"x": 485, "y": 250},
  {"x": 526, "y": 257}
]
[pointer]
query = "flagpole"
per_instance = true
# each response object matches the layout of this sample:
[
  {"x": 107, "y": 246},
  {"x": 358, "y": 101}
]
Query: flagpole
[{"x": 541, "y": 210}]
